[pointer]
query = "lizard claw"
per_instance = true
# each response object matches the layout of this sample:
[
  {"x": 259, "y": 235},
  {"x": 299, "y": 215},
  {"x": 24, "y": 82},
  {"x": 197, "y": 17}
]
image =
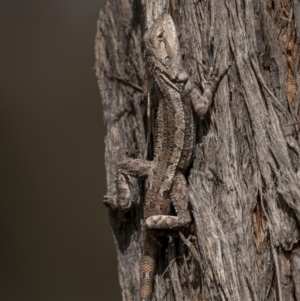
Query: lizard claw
[
  {"x": 219, "y": 75},
  {"x": 110, "y": 201},
  {"x": 211, "y": 72}
]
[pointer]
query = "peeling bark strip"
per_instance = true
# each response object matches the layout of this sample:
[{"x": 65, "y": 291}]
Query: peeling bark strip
[{"x": 245, "y": 228}]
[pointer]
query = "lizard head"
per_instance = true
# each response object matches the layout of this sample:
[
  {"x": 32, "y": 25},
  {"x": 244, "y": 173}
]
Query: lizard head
[{"x": 162, "y": 49}]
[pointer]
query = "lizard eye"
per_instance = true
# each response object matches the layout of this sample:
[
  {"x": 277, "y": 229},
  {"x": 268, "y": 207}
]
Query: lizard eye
[{"x": 161, "y": 35}]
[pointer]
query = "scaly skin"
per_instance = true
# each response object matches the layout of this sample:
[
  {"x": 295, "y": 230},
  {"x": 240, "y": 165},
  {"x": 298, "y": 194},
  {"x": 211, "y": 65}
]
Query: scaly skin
[{"x": 173, "y": 146}]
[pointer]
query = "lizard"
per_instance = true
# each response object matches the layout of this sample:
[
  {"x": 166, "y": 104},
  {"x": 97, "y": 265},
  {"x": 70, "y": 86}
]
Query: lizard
[{"x": 174, "y": 143}]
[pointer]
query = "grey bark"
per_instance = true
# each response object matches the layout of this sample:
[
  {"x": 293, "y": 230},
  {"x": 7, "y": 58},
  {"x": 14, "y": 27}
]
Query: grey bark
[{"x": 244, "y": 187}]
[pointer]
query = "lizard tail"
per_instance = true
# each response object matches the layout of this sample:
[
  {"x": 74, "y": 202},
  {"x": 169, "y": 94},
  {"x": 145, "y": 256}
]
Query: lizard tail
[{"x": 148, "y": 266}]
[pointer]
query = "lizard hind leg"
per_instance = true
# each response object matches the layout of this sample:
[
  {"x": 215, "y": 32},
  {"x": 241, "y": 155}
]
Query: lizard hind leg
[{"x": 179, "y": 199}]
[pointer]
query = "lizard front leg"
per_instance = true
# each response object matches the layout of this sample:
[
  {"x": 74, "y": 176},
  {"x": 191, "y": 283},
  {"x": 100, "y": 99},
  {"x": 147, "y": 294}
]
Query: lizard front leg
[
  {"x": 179, "y": 199},
  {"x": 210, "y": 81},
  {"x": 137, "y": 168}
]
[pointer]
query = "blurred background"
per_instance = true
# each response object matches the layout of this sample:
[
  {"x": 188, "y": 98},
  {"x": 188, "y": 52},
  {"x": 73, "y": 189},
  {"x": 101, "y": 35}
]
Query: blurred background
[{"x": 55, "y": 239}]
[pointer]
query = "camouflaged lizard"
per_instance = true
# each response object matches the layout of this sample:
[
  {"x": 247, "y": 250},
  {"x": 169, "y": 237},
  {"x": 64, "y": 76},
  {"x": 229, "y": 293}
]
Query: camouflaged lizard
[{"x": 174, "y": 145}]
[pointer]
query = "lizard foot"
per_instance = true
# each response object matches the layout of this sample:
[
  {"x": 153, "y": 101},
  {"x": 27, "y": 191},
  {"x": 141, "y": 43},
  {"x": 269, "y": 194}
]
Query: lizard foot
[
  {"x": 112, "y": 202},
  {"x": 211, "y": 77},
  {"x": 165, "y": 222}
]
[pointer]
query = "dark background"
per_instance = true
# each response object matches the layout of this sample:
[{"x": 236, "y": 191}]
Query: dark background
[{"x": 55, "y": 242}]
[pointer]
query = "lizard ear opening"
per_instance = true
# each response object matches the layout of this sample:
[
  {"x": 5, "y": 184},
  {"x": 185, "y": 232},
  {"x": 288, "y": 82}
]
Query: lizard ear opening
[{"x": 167, "y": 60}]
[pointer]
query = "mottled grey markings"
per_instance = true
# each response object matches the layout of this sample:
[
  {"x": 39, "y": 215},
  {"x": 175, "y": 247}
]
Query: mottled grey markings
[{"x": 174, "y": 144}]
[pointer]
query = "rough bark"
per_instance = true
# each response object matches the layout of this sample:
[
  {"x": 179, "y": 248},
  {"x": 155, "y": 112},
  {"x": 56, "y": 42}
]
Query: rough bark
[{"x": 244, "y": 187}]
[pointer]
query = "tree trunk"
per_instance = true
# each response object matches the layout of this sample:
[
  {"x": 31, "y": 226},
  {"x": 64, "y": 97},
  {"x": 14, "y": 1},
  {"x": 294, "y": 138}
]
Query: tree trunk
[{"x": 244, "y": 187}]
